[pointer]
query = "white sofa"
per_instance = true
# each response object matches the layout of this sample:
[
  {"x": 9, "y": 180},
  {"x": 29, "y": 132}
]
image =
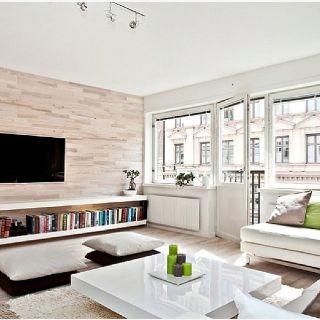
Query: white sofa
[{"x": 295, "y": 245}]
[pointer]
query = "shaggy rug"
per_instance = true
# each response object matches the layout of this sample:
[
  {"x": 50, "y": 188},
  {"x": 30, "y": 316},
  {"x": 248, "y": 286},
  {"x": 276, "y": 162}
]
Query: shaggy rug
[{"x": 66, "y": 303}]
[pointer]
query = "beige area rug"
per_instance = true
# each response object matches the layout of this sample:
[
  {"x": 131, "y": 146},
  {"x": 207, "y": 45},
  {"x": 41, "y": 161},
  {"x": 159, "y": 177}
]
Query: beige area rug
[
  {"x": 58, "y": 303},
  {"x": 66, "y": 303}
]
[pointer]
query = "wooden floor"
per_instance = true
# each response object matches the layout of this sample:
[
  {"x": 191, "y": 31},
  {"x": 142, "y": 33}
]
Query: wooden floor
[{"x": 219, "y": 248}]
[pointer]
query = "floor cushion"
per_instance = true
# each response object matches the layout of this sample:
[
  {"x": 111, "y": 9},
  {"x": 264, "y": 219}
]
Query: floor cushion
[
  {"x": 106, "y": 259},
  {"x": 286, "y": 237},
  {"x": 17, "y": 288},
  {"x": 36, "y": 267},
  {"x": 123, "y": 243}
]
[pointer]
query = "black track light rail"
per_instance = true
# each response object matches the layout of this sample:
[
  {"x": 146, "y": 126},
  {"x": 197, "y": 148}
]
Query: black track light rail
[{"x": 124, "y": 7}]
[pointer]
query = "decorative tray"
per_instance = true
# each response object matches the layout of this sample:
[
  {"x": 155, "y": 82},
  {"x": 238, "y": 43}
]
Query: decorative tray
[{"x": 162, "y": 275}]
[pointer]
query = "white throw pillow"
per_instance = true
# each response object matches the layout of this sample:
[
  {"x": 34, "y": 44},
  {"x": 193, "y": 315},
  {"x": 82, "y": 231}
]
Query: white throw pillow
[
  {"x": 37, "y": 261},
  {"x": 123, "y": 243},
  {"x": 252, "y": 308}
]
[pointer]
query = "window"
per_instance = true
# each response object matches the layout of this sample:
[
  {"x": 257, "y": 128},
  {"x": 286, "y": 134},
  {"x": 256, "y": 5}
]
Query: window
[
  {"x": 229, "y": 114},
  {"x": 177, "y": 123},
  {"x": 205, "y": 153},
  {"x": 177, "y": 143},
  {"x": 256, "y": 110},
  {"x": 313, "y": 148},
  {"x": 205, "y": 119},
  {"x": 282, "y": 108},
  {"x": 179, "y": 153},
  {"x": 282, "y": 149},
  {"x": 227, "y": 151},
  {"x": 313, "y": 104},
  {"x": 254, "y": 150}
]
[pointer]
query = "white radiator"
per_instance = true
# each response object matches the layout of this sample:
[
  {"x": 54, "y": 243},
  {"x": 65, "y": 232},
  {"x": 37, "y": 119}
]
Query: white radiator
[{"x": 175, "y": 212}]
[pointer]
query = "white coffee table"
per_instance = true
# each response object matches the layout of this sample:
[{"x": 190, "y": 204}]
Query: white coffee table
[{"x": 128, "y": 289}]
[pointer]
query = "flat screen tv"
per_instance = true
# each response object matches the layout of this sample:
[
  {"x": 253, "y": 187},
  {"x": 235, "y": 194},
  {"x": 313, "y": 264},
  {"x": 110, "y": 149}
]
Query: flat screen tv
[{"x": 31, "y": 159}]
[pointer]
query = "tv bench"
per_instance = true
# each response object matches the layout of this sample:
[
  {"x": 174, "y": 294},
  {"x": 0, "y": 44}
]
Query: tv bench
[{"x": 21, "y": 209}]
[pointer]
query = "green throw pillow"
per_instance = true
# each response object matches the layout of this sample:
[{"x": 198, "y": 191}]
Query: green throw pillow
[{"x": 312, "y": 219}]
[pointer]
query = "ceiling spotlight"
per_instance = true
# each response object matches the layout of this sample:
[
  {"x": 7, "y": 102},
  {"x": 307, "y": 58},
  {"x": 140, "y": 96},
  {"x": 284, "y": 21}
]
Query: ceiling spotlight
[
  {"x": 109, "y": 14},
  {"x": 133, "y": 24},
  {"x": 82, "y": 5}
]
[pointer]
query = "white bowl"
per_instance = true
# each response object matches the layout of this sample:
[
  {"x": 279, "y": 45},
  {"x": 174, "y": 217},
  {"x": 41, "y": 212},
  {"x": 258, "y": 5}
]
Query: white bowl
[{"x": 129, "y": 192}]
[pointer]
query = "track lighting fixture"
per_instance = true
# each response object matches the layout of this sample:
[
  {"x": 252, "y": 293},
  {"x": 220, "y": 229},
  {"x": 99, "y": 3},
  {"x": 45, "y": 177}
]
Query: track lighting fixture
[
  {"x": 133, "y": 24},
  {"x": 112, "y": 16},
  {"x": 109, "y": 14},
  {"x": 82, "y": 5}
]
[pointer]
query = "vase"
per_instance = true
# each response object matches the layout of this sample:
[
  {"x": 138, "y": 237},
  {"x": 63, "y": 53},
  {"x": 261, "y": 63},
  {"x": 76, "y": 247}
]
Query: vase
[{"x": 128, "y": 192}]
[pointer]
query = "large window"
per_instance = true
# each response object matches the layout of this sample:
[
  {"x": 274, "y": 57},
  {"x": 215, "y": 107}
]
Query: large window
[
  {"x": 179, "y": 153},
  {"x": 296, "y": 151},
  {"x": 182, "y": 144},
  {"x": 313, "y": 148},
  {"x": 227, "y": 151},
  {"x": 254, "y": 150},
  {"x": 205, "y": 153},
  {"x": 282, "y": 149}
]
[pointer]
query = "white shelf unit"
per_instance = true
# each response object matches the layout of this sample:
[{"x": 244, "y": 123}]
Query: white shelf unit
[{"x": 5, "y": 208}]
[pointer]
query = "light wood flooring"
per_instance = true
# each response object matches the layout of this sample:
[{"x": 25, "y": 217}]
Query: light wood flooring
[{"x": 222, "y": 249}]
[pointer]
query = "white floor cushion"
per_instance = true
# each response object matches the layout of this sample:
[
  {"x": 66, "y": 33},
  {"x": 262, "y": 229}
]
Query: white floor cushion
[
  {"x": 252, "y": 308},
  {"x": 31, "y": 262},
  {"x": 285, "y": 237},
  {"x": 123, "y": 243}
]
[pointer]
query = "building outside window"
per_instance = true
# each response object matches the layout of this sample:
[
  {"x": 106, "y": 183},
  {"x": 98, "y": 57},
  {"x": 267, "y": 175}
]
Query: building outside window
[
  {"x": 254, "y": 150},
  {"x": 282, "y": 149},
  {"x": 313, "y": 104},
  {"x": 229, "y": 114},
  {"x": 205, "y": 153},
  {"x": 179, "y": 153},
  {"x": 255, "y": 110},
  {"x": 227, "y": 152},
  {"x": 177, "y": 122},
  {"x": 282, "y": 108},
  {"x": 313, "y": 148},
  {"x": 204, "y": 119}
]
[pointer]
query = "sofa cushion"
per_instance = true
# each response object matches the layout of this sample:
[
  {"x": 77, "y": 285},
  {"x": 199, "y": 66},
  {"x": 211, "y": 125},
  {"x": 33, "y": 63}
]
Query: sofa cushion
[
  {"x": 123, "y": 243},
  {"x": 312, "y": 219},
  {"x": 34, "y": 261},
  {"x": 285, "y": 237},
  {"x": 291, "y": 209}
]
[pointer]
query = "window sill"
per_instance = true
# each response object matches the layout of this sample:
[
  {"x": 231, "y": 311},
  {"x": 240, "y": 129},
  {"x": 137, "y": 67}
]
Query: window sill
[
  {"x": 287, "y": 188},
  {"x": 173, "y": 186}
]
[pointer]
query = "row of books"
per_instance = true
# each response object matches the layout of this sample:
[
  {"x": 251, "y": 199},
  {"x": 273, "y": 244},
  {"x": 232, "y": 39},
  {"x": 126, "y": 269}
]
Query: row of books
[
  {"x": 5, "y": 224},
  {"x": 81, "y": 219}
]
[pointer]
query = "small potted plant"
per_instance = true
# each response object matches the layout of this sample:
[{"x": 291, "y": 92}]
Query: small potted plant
[
  {"x": 131, "y": 174},
  {"x": 184, "y": 179}
]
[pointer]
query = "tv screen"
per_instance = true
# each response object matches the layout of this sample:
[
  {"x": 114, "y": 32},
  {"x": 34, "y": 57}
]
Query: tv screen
[{"x": 31, "y": 159}]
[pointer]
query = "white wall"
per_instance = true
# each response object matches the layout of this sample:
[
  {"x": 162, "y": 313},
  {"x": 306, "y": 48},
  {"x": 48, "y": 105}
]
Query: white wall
[
  {"x": 282, "y": 76},
  {"x": 289, "y": 74}
]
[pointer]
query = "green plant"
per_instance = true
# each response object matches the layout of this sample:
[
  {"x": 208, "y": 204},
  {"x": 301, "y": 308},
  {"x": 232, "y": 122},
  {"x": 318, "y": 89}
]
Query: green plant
[
  {"x": 132, "y": 174},
  {"x": 183, "y": 179}
]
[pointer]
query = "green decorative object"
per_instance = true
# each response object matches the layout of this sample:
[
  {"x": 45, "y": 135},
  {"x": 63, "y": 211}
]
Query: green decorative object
[
  {"x": 312, "y": 219},
  {"x": 171, "y": 261},
  {"x": 187, "y": 269},
  {"x": 173, "y": 249}
]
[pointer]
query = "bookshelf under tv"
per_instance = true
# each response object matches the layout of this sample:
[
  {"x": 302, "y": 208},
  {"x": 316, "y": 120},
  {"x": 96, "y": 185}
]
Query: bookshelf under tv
[{"x": 20, "y": 209}]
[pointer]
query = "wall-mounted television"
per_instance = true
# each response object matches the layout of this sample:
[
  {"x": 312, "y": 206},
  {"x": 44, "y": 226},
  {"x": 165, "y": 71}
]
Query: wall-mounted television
[{"x": 25, "y": 158}]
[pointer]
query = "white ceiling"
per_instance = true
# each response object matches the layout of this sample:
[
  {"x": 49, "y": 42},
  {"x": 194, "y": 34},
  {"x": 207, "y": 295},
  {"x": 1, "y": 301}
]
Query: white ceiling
[{"x": 177, "y": 44}]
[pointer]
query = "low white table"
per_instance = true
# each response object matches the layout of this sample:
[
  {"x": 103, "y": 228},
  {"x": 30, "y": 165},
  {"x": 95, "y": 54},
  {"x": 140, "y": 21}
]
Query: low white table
[{"x": 128, "y": 289}]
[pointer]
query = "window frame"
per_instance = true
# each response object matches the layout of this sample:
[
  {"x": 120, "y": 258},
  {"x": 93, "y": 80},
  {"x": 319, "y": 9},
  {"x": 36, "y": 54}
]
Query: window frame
[
  {"x": 315, "y": 144},
  {"x": 222, "y": 150},
  {"x": 178, "y": 148},
  {"x": 207, "y": 153},
  {"x": 209, "y": 109},
  {"x": 282, "y": 146},
  {"x": 270, "y": 177}
]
